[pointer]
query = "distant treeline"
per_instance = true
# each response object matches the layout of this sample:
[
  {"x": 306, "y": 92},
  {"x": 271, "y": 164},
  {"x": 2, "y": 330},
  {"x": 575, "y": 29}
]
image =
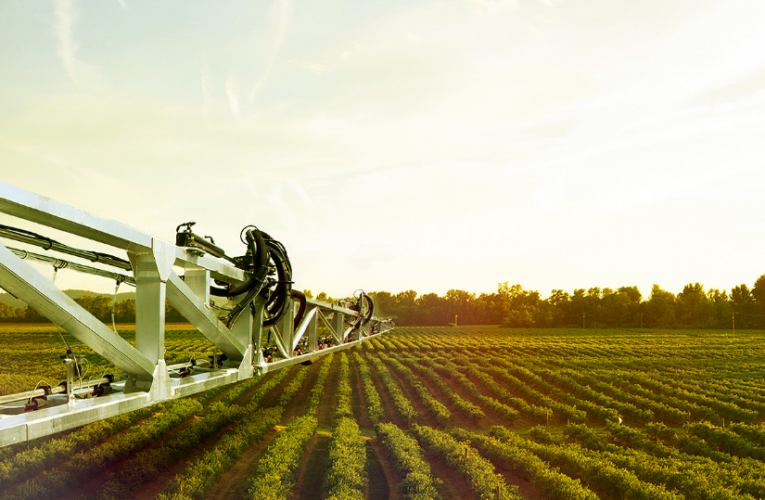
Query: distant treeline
[
  {"x": 99, "y": 306},
  {"x": 515, "y": 307},
  {"x": 594, "y": 308}
]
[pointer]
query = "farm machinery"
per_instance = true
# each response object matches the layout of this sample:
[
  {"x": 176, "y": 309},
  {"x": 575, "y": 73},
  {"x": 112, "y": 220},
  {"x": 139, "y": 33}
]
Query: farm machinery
[{"x": 263, "y": 325}]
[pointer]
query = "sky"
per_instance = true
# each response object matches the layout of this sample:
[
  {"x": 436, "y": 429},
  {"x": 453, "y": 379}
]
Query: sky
[{"x": 399, "y": 145}]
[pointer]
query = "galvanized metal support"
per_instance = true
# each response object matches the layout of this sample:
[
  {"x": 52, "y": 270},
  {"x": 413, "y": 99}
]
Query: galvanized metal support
[
  {"x": 162, "y": 272},
  {"x": 191, "y": 307},
  {"x": 26, "y": 283}
]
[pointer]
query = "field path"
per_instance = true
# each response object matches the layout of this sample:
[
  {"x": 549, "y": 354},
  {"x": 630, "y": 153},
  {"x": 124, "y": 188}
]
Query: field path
[
  {"x": 313, "y": 469},
  {"x": 453, "y": 486},
  {"x": 358, "y": 398},
  {"x": 235, "y": 482},
  {"x": 326, "y": 415},
  {"x": 383, "y": 478},
  {"x": 385, "y": 399}
]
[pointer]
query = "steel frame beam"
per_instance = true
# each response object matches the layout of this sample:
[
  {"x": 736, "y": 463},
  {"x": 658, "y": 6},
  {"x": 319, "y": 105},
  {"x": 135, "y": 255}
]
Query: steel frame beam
[{"x": 154, "y": 263}]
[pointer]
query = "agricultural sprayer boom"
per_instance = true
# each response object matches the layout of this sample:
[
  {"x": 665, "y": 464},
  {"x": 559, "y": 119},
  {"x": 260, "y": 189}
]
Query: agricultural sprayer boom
[{"x": 266, "y": 325}]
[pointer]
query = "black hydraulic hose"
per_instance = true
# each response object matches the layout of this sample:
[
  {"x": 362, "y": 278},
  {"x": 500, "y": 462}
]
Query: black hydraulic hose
[
  {"x": 371, "y": 309},
  {"x": 278, "y": 300},
  {"x": 260, "y": 267},
  {"x": 300, "y": 297}
]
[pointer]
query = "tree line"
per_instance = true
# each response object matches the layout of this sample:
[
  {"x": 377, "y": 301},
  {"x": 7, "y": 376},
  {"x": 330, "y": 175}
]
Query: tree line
[
  {"x": 512, "y": 306},
  {"x": 625, "y": 307},
  {"x": 99, "y": 306}
]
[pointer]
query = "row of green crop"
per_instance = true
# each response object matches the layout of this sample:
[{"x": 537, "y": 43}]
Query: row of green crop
[
  {"x": 374, "y": 406},
  {"x": 347, "y": 475},
  {"x": 418, "y": 483},
  {"x": 447, "y": 393},
  {"x": 400, "y": 401},
  {"x": 662, "y": 411},
  {"x": 597, "y": 473},
  {"x": 314, "y": 397},
  {"x": 467, "y": 462},
  {"x": 433, "y": 405},
  {"x": 451, "y": 370},
  {"x": 531, "y": 394},
  {"x": 553, "y": 483},
  {"x": 537, "y": 413},
  {"x": 202, "y": 474},
  {"x": 275, "y": 474},
  {"x": 87, "y": 463},
  {"x": 151, "y": 462},
  {"x": 590, "y": 409},
  {"x": 694, "y": 476},
  {"x": 632, "y": 386},
  {"x": 53, "y": 452},
  {"x": 343, "y": 408}
]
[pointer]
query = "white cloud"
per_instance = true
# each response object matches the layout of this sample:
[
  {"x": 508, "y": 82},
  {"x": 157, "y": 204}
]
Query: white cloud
[
  {"x": 67, "y": 47},
  {"x": 232, "y": 91},
  {"x": 281, "y": 13},
  {"x": 206, "y": 93}
]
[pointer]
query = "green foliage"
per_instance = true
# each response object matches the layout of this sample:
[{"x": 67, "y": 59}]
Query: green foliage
[
  {"x": 407, "y": 457},
  {"x": 467, "y": 462},
  {"x": 275, "y": 474},
  {"x": 347, "y": 475},
  {"x": 521, "y": 461},
  {"x": 374, "y": 406}
]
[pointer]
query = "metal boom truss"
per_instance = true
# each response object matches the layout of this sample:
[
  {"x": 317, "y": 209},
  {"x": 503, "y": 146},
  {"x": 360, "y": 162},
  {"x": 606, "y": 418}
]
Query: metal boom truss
[{"x": 161, "y": 271}]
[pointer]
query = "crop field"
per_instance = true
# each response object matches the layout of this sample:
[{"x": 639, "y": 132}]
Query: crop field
[{"x": 420, "y": 413}]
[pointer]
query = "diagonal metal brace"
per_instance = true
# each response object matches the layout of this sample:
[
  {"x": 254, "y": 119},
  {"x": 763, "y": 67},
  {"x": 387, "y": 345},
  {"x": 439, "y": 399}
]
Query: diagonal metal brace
[
  {"x": 26, "y": 283},
  {"x": 191, "y": 307}
]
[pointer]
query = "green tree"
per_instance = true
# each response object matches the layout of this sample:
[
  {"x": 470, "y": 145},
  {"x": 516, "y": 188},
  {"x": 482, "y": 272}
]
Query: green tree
[
  {"x": 660, "y": 310},
  {"x": 694, "y": 307},
  {"x": 758, "y": 293},
  {"x": 743, "y": 306}
]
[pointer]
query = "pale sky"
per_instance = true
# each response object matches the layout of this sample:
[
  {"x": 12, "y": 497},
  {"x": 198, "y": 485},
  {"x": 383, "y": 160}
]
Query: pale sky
[{"x": 413, "y": 144}]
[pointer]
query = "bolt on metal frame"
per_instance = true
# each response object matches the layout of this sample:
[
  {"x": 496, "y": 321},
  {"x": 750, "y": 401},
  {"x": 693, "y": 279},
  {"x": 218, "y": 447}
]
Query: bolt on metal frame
[{"x": 153, "y": 261}]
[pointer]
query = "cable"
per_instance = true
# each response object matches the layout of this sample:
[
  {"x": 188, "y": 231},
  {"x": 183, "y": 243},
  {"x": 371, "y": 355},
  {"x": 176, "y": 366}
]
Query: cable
[
  {"x": 41, "y": 241},
  {"x": 68, "y": 349},
  {"x": 114, "y": 303}
]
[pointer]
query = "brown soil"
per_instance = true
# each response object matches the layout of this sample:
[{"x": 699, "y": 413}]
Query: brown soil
[
  {"x": 157, "y": 485},
  {"x": 359, "y": 398},
  {"x": 526, "y": 489},
  {"x": 217, "y": 397},
  {"x": 523, "y": 420},
  {"x": 458, "y": 419},
  {"x": 451, "y": 485},
  {"x": 423, "y": 415},
  {"x": 299, "y": 404},
  {"x": 313, "y": 469},
  {"x": 272, "y": 398},
  {"x": 383, "y": 477},
  {"x": 235, "y": 482},
  {"x": 88, "y": 489},
  {"x": 245, "y": 397},
  {"x": 385, "y": 399},
  {"x": 326, "y": 415}
]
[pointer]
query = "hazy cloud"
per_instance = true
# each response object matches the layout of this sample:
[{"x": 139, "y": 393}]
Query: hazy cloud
[
  {"x": 206, "y": 94},
  {"x": 67, "y": 48},
  {"x": 232, "y": 91},
  {"x": 281, "y": 13}
]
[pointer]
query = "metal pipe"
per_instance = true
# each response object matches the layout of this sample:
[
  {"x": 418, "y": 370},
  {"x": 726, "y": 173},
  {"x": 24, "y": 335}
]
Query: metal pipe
[
  {"x": 49, "y": 244},
  {"x": 56, "y": 389},
  {"x": 65, "y": 264}
]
